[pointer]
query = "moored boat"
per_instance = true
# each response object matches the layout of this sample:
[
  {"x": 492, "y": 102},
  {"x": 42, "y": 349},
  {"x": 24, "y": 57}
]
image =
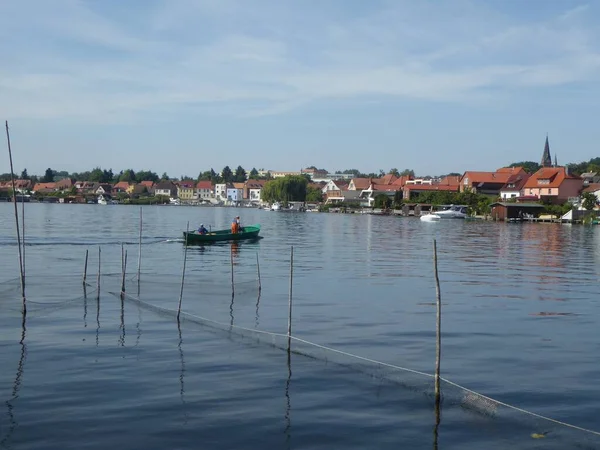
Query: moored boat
[{"x": 247, "y": 232}]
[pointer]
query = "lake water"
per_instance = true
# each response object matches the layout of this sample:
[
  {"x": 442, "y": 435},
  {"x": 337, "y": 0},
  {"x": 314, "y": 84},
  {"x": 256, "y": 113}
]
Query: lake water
[{"x": 520, "y": 324}]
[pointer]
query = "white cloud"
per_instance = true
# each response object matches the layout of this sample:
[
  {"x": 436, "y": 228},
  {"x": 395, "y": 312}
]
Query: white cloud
[{"x": 66, "y": 60}]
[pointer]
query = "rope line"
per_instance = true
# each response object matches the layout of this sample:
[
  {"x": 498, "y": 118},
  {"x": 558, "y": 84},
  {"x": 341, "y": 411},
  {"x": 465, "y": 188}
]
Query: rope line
[{"x": 362, "y": 358}]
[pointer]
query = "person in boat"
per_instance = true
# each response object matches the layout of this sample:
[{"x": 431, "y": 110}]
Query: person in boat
[
  {"x": 234, "y": 226},
  {"x": 239, "y": 224},
  {"x": 202, "y": 230}
]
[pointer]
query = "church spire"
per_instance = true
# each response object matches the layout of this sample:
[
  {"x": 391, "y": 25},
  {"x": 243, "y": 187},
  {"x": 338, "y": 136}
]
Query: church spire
[{"x": 546, "y": 158}]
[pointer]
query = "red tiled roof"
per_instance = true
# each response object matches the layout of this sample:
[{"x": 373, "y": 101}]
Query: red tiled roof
[
  {"x": 592, "y": 187},
  {"x": 430, "y": 187},
  {"x": 450, "y": 180},
  {"x": 147, "y": 183},
  {"x": 402, "y": 180},
  {"x": 255, "y": 184},
  {"x": 41, "y": 186},
  {"x": 511, "y": 170},
  {"x": 121, "y": 185},
  {"x": 361, "y": 183},
  {"x": 554, "y": 175},
  {"x": 387, "y": 179},
  {"x": 204, "y": 184}
]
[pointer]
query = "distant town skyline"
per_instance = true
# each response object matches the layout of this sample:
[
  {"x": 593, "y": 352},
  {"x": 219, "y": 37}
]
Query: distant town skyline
[{"x": 182, "y": 86}]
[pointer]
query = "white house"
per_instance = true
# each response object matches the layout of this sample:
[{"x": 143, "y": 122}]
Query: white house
[
  {"x": 205, "y": 190},
  {"x": 254, "y": 189},
  {"x": 166, "y": 188},
  {"x": 221, "y": 191}
]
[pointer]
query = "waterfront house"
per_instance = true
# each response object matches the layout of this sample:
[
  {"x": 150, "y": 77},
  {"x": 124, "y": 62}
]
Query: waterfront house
[
  {"x": 590, "y": 178},
  {"x": 64, "y": 184},
  {"x": 221, "y": 191},
  {"x": 332, "y": 191},
  {"x": 594, "y": 188},
  {"x": 166, "y": 188},
  {"x": 253, "y": 190},
  {"x": 121, "y": 187},
  {"x": 514, "y": 186},
  {"x": 21, "y": 186},
  {"x": 235, "y": 192},
  {"x": 205, "y": 190},
  {"x": 148, "y": 184},
  {"x": 44, "y": 188},
  {"x": 103, "y": 188},
  {"x": 448, "y": 184},
  {"x": 489, "y": 183},
  {"x": 186, "y": 191},
  {"x": 554, "y": 184}
]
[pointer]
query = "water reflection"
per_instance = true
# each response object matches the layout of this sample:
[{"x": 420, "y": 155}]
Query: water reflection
[
  {"x": 122, "y": 326},
  {"x": 231, "y": 308},
  {"x": 288, "y": 406},
  {"x": 84, "y": 307},
  {"x": 182, "y": 373},
  {"x": 235, "y": 249},
  {"x": 16, "y": 385},
  {"x": 97, "y": 318},
  {"x": 256, "y": 317},
  {"x": 437, "y": 422}
]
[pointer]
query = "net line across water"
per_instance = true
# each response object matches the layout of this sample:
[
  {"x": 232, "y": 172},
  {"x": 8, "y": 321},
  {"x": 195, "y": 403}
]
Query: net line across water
[{"x": 470, "y": 398}]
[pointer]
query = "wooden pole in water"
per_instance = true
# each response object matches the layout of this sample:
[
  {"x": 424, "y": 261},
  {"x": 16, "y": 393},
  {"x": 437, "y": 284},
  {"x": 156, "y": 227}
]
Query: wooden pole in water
[
  {"x": 123, "y": 275},
  {"x": 258, "y": 269},
  {"x": 140, "y": 250},
  {"x": 85, "y": 267},
  {"x": 183, "y": 272},
  {"x": 290, "y": 298},
  {"x": 23, "y": 236},
  {"x": 98, "y": 279},
  {"x": 438, "y": 327},
  {"x": 14, "y": 199}
]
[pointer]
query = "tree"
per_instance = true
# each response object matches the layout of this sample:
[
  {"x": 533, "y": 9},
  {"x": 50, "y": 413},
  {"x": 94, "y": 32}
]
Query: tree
[
  {"x": 164, "y": 177},
  {"x": 291, "y": 188},
  {"x": 240, "y": 175},
  {"x": 24, "y": 175},
  {"x": 96, "y": 175},
  {"x": 528, "y": 166},
  {"x": 146, "y": 175},
  {"x": 48, "y": 176},
  {"x": 382, "y": 201},
  {"x": 253, "y": 173},
  {"x": 398, "y": 200},
  {"x": 128, "y": 176},
  {"x": 314, "y": 194},
  {"x": 407, "y": 173},
  {"x": 227, "y": 174},
  {"x": 589, "y": 200},
  {"x": 394, "y": 172}
]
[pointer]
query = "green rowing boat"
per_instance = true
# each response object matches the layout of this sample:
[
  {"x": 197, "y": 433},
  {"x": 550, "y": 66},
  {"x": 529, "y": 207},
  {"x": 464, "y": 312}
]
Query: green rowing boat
[{"x": 247, "y": 232}]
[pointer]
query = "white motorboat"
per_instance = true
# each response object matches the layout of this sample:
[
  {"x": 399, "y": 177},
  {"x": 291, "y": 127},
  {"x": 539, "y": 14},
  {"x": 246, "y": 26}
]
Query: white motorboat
[
  {"x": 452, "y": 212},
  {"x": 429, "y": 218},
  {"x": 102, "y": 200},
  {"x": 275, "y": 206}
]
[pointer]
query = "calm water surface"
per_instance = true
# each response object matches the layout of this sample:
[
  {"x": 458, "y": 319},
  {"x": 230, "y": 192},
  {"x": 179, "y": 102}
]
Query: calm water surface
[{"x": 520, "y": 324}]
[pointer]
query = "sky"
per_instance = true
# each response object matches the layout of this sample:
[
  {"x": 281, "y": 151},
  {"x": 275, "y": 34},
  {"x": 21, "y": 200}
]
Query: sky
[{"x": 185, "y": 85}]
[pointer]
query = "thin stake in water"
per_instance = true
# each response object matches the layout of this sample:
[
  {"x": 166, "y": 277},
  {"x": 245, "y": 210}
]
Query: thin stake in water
[
  {"x": 140, "y": 254},
  {"x": 438, "y": 327},
  {"x": 98, "y": 279},
  {"x": 123, "y": 275},
  {"x": 23, "y": 237},
  {"x": 85, "y": 267},
  {"x": 14, "y": 199},
  {"x": 183, "y": 272},
  {"x": 289, "y": 333}
]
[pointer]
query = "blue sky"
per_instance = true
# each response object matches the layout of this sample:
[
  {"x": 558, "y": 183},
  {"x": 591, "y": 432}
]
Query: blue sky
[{"x": 185, "y": 85}]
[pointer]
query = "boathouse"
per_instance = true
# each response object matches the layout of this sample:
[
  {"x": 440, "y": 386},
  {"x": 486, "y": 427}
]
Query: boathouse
[{"x": 508, "y": 211}]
